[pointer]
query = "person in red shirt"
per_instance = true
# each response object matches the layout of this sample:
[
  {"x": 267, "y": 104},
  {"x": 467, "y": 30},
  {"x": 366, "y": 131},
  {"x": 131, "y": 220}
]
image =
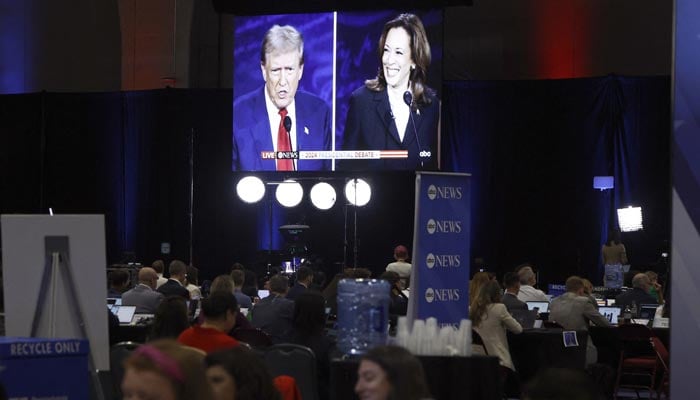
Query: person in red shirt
[{"x": 219, "y": 311}]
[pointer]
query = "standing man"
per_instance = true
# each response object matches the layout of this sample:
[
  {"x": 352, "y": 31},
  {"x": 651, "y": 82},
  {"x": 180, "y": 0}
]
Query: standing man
[
  {"x": 144, "y": 295},
  {"x": 277, "y": 117},
  {"x": 175, "y": 286}
]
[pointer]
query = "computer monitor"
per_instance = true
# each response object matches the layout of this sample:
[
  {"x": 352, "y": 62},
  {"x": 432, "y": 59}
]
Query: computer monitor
[
  {"x": 611, "y": 313},
  {"x": 541, "y": 306}
]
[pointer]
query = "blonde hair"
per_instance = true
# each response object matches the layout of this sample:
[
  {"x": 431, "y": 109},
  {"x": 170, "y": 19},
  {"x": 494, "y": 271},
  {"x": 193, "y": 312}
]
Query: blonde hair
[{"x": 478, "y": 281}]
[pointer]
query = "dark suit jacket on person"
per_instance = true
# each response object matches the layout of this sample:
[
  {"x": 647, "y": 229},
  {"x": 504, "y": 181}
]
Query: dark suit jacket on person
[
  {"x": 174, "y": 288},
  {"x": 370, "y": 126},
  {"x": 273, "y": 315},
  {"x": 295, "y": 291},
  {"x": 251, "y": 131},
  {"x": 512, "y": 303},
  {"x": 637, "y": 296},
  {"x": 144, "y": 298}
]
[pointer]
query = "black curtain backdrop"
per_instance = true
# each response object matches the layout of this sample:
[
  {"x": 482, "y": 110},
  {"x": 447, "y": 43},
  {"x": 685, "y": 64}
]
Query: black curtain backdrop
[{"x": 533, "y": 148}]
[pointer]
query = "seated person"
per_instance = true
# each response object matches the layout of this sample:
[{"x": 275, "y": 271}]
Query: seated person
[
  {"x": 144, "y": 295},
  {"x": 192, "y": 282},
  {"x": 164, "y": 369},
  {"x": 273, "y": 314},
  {"x": 305, "y": 276},
  {"x": 118, "y": 283},
  {"x": 399, "y": 302},
  {"x": 309, "y": 329},
  {"x": 401, "y": 266},
  {"x": 224, "y": 283},
  {"x": 219, "y": 312},
  {"x": 171, "y": 319},
  {"x": 175, "y": 286},
  {"x": 239, "y": 374},
  {"x": 588, "y": 292},
  {"x": 573, "y": 311},
  {"x": 391, "y": 372},
  {"x": 638, "y": 295},
  {"x": 238, "y": 277},
  {"x": 527, "y": 286},
  {"x": 511, "y": 281}
]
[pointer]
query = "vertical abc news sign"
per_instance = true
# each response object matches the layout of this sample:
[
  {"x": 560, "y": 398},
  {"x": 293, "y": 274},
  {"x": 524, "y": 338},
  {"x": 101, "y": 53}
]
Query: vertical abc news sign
[{"x": 441, "y": 247}]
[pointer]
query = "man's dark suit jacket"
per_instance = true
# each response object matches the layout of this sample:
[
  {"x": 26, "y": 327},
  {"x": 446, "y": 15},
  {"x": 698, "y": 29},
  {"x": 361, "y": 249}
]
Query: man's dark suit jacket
[
  {"x": 370, "y": 126},
  {"x": 512, "y": 303},
  {"x": 295, "y": 291},
  {"x": 637, "y": 296},
  {"x": 251, "y": 131},
  {"x": 273, "y": 315},
  {"x": 173, "y": 288}
]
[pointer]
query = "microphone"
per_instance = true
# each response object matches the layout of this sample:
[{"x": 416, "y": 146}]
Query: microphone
[
  {"x": 408, "y": 99},
  {"x": 288, "y": 127}
]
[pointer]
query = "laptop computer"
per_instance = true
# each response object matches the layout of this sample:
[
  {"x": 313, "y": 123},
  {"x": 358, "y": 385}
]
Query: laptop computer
[
  {"x": 647, "y": 311},
  {"x": 124, "y": 313},
  {"x": 526, "y": 318},
  {"x": 541, "y": 306},
  {"x": 611, "y": 313}
]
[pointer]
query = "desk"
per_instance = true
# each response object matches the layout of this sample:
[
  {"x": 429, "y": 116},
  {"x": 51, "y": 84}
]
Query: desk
[
  {"x": 131, "y": 333},
  {"x": 536, "y": 349},
  {"x": 449, "y": 378}
]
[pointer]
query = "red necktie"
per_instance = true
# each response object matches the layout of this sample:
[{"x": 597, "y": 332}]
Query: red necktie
[{"x": 283, "y": 144}]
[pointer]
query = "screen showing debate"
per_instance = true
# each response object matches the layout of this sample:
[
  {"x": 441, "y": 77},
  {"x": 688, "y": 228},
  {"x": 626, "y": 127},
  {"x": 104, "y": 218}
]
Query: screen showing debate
[{"x": 337, "y": 91}]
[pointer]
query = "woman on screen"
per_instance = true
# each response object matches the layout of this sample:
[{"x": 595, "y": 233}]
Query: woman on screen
[{"x": 396, "y": 110}]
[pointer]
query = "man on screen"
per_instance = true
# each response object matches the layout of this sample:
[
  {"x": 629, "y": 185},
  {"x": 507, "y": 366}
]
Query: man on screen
[{"x": 277, "y": 117}]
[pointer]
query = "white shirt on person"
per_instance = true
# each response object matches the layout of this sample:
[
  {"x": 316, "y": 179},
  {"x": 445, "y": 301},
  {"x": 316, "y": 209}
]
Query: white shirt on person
[{"x": 529, "y": 293}]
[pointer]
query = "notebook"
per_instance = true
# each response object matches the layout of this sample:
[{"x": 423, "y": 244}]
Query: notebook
[
  {"x": 124, "y": 313},
  {"x": 611, "y": 313},
  {"x": 542, "y": 306}
]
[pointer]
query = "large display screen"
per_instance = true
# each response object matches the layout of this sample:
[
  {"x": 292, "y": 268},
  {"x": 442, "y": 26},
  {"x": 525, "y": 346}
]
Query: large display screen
[{"x": 337, "y": 91}]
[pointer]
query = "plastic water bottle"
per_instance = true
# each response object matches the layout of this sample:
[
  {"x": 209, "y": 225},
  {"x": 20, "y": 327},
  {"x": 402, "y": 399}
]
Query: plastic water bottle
[
  {"x": 363, "y": 314},
  {"x": 627, "y": 314}
]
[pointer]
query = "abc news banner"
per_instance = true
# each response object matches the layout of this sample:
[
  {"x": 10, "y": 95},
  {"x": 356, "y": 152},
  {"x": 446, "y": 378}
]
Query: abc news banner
[{"x": 440, "y": 275}]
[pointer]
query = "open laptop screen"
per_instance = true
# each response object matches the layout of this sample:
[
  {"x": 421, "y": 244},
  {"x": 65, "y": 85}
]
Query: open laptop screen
[
  {"x": 611, "y": 313},
  {"x": 124, "y": 313},
  {"x": 542, "y": 306}
]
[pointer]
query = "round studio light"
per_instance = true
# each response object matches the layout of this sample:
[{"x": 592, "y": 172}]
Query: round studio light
[
  {"x": 250, "y": 189},
  {"x": 289, "y": 193},
  {"x": 322, "y": 196},
  {"x": 358, "y": 192}
]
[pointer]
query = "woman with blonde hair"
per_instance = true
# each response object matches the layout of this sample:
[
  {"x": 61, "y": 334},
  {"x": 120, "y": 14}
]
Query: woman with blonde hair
[
  {"x": 490, "y": 319},
  {"x": 478, "y": 281}
]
